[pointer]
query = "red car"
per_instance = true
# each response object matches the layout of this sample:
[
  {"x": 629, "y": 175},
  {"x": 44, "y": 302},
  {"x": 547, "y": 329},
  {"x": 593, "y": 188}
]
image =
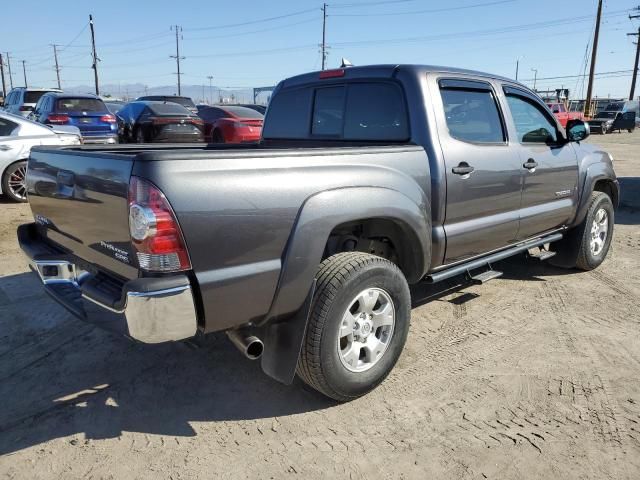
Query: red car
[
  {"x": 563, "y": 116},
  {"x": 231, "y": 124}
]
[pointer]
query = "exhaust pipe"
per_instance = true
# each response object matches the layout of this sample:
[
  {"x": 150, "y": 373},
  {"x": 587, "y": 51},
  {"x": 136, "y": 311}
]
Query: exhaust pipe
[{"x": 250, "y": 346}]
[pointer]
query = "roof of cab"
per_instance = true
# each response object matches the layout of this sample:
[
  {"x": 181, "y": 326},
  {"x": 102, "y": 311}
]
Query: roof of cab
[{"x": 387, "y": 71}]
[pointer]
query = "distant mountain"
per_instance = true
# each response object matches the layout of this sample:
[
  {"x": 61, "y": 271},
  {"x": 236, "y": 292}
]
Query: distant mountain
[{"x": 131, "y": 91}]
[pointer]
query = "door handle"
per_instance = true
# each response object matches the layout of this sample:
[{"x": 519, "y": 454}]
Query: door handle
[
  {"x": 463, "y": 168},
  {"x": 531, "y": 164}
]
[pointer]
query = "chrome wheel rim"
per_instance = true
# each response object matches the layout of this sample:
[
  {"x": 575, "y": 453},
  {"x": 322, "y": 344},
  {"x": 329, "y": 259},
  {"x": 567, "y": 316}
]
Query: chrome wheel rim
[
  {"x": 599, "y": 231},
  {"x": 17, "y": 181},
  {"x": 366, "y": 329}
]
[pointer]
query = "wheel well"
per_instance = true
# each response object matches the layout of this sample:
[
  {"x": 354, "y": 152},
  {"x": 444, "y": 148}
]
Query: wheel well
[
  {"x": 377, "y": 236},
  {"x": 606, "y": 186}
]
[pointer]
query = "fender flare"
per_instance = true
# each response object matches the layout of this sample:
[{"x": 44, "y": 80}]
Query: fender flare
[{"x": 285, "y": 325}]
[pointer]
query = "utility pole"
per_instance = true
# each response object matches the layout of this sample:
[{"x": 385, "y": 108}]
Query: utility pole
[
  {"x": 210, "y": 77},
  {"x": 4, "y": 84},
  {"x": 9, "y": 67},
  {"x": 324, "y": 34},
  {"x": 55, "y": 56},
  {"x": 535, "y": 77},
  {"x": 592, "y": 67},
  {"x": 635, "y": 65},
  {"x": 24, "y": 72},
  {"x": 95, "y": 55},
  {"x": 517, "y": 67},
  {"x": 177, "y": 55}
]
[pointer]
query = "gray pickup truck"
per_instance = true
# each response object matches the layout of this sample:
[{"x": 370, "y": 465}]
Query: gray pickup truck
[{"x": 302, "y": 247}]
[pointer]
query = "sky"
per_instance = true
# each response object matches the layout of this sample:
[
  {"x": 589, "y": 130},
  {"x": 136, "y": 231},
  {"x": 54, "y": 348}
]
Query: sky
[{"x": 257, "y": 43}]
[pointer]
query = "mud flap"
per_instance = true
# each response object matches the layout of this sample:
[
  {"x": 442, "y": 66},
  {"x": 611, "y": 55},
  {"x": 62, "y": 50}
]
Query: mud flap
[{"x": 283, "y": 343}]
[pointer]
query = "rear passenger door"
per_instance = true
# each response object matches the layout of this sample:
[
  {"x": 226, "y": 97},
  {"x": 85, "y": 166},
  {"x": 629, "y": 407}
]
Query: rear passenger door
[
  {"x": 483, "y": 173},
  {"x": 548, "y": 162}
]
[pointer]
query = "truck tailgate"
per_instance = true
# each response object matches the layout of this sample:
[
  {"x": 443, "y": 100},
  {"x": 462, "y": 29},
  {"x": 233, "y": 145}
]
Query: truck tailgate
[{"x": 79, "y": 201}]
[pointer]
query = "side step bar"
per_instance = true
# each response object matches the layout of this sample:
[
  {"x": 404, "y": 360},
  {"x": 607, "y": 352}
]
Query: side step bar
[{"x": 489, "y": 259}]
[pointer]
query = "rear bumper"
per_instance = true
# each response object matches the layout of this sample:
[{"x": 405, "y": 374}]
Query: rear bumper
[
  {"x": 151, "y": 310},
  {"x": 99, "y": 139}
]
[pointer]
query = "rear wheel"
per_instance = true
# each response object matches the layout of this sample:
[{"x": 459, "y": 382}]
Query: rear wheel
[
  {"x": 358, "y": 325},
  {"x": 139, "y": 135},
  {"x": 217, "y": 137},
  {"x": 14, "y": 181}
]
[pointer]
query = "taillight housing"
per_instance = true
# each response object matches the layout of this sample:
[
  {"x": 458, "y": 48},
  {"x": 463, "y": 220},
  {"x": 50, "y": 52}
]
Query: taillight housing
[
  {"x": 154, "y": 229},
  {"x": 57, "y": 118},
  {"x": 108, "y": 118}
]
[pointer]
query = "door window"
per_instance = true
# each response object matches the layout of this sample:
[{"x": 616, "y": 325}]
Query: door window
[
  {"x": 6, "y": 127},
  {"x": 328, "y": 111},
  {"x": 532, "y": 125},
  {"x": 472, "y": 115}
]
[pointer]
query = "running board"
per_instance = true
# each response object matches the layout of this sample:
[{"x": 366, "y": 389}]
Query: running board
[
  {"x": 489, "y": 259},
  {"x": 485, "y": 276}
]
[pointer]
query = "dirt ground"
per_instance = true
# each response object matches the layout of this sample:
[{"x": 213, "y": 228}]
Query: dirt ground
[{"x": 533, "y": 375}]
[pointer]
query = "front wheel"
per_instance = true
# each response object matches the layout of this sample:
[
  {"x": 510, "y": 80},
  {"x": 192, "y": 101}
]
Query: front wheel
[
  {"x": 14, "y": 181},
  {"x": 357, "y": 327}
]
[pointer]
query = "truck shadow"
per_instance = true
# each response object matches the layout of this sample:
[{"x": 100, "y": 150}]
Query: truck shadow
[{"x": 60, "y": 377}]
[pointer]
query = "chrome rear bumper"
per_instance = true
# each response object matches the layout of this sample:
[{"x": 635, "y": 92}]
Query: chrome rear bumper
[{"x": 151, "y": 310}]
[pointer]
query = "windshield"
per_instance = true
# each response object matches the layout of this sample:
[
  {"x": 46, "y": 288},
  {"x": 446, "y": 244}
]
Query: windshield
[
  {"x": 80, "y": 105},
  {"x": 618, "y": 106},
  {"x": 33, "y": 96},
  {"x": 243, "y": 112},
  {"x": 607, "y": 114},
  {"x": 169, "y": 108}
]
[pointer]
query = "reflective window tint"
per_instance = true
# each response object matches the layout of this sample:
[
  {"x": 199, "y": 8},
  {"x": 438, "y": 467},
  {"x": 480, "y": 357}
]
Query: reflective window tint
[
  {"x": 472, "y": 115},
  {"x": 532, "y": 125}
]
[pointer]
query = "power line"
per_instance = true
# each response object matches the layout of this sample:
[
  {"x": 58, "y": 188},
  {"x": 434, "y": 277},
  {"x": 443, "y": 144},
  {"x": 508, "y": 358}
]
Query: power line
[
  {"x": 418, "y": 12},
  {"x": 253, "y": 22},
  {"x": 251, "y": 32}
]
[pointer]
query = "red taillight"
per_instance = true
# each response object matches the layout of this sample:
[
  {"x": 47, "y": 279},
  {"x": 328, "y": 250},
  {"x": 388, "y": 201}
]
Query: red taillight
[
  {"x": 154, "y": 229},
  {"x": 332, "y": 73},
  {"x": 197, "y": 121},
  {"x": 57, "y": 118},
  {"x": 108, "y": 118}
]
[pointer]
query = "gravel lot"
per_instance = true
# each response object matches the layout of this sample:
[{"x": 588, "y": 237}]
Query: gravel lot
[{"x": 533, "y": 375}]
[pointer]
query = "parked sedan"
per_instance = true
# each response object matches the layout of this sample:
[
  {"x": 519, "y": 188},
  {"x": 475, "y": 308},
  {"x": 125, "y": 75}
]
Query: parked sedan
[
  {"x": 87, "y": 112},
  {"x": 17, "y": 136},
  {"x": 148, "y": 121},
  {"x": 224, "y": 124},
  {"x": 186, "y": 102}
]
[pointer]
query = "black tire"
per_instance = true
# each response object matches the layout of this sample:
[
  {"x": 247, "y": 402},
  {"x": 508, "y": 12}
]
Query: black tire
[
  {"x": 630, "y": 130},
  {"x": 574, "y": 251},
  {"x": 216, "y": 137},
  {"x": 12, "y": 174},
  {"x": 139, "y": 137},
  {"x": 340, "y": 279}
]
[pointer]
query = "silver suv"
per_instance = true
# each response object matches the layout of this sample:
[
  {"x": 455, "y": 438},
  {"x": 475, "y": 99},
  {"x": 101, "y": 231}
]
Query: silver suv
[{"x": 22, "y": 101}]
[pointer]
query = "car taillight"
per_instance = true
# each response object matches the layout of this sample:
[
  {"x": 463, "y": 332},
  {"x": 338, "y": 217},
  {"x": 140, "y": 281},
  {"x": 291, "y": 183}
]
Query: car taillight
[
  {"x": 197, "y": 121},
  {"x": 154, "y": 229},
  {"x": 108, "y": 118},
  {"x": 57, "y": 119}
]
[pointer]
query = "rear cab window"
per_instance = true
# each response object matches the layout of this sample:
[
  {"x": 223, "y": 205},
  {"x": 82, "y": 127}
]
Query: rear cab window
[
  {"x": 33, "y": 96},
  {"x": 352, "y": 111}
]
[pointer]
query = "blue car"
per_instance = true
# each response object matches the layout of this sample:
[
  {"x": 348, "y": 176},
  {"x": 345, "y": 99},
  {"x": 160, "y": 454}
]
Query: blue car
[{"x": 87, "y": 112}]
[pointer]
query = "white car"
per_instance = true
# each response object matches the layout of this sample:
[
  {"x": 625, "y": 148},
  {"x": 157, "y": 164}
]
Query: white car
[{"x": 17, "y": 136}]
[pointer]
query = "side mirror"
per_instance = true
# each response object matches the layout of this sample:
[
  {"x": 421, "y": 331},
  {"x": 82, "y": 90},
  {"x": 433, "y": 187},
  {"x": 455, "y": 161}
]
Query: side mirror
[{"x": 577, "y": 130}]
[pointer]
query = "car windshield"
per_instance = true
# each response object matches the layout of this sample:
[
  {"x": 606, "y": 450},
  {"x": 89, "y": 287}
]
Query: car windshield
[
  {"x": 607, "y": 114},
  {"x": 184, "y": 101},
  {"x": 618, "y": 106},
  {"x": 243, "y": 112},
  {"x": 169, "y": 108},
  {"x": 80, "y": 105}
]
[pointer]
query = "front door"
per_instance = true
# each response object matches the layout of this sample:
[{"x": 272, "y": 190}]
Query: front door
[
  {"x": 483, "y": 173},
  {"x": 549, "y": 165}
]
